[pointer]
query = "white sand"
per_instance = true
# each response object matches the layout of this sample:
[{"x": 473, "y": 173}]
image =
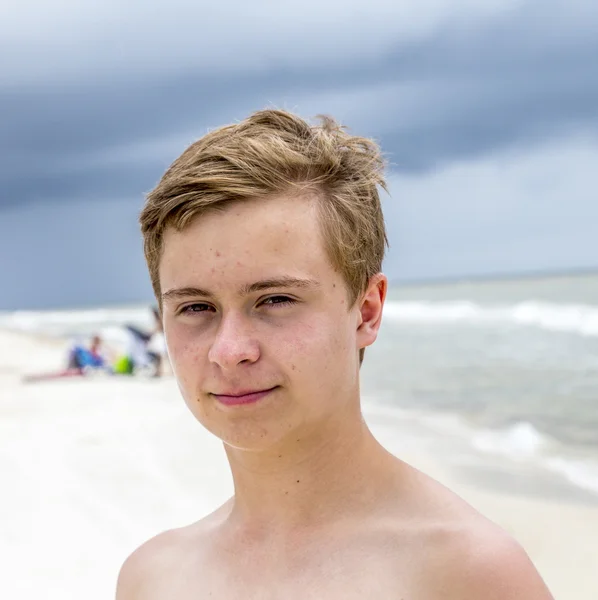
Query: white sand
[{"x": 93, "y": 468}]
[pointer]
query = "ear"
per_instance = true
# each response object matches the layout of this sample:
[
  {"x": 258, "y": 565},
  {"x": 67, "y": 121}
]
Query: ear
[{"x": 370, "y": 304}]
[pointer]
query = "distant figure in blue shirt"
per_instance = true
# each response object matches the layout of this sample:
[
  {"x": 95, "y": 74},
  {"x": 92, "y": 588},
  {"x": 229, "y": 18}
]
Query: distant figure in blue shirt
[{"x": 82, "y": 358}]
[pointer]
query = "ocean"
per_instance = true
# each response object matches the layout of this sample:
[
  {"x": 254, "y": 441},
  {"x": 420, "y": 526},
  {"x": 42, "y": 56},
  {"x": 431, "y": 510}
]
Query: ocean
[
  {"x": 505, "y": 370},
  {"x": 508, "y": 366}
]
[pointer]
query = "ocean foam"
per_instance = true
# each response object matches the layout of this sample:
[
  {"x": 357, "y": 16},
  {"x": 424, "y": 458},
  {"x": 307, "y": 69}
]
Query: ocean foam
[
  {"x": 582, "y": 473},
  {"x": 519, "y": 441},
  {"x": 522, "y": 442},
  {"x": 571, "y": 318}
]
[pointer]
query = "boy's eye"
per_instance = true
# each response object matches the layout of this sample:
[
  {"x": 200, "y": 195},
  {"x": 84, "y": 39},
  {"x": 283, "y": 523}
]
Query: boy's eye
[
  {"x": 195, "y": 308},
  {"x": 285, "y": 300}
]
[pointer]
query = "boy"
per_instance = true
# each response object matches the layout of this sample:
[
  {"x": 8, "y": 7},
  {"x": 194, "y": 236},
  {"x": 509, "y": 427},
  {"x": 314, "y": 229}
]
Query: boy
[{"x": 264, "y": 242}]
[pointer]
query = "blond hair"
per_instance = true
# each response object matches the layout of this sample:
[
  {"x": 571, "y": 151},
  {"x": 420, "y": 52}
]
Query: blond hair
[{"x": 274, "y": 152}]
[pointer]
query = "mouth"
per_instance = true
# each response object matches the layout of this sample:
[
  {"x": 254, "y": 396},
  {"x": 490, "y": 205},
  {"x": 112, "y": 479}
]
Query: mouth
[{"x": 243, "y": 397}]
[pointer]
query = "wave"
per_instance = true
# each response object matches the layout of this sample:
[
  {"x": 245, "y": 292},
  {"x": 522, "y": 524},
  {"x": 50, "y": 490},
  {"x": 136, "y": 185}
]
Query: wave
[
  {"x": 523, "y": 442},
  {"x": 581, "y": 473},
  {"x": 581, "y": 319},
  {"x": 520, "y": 442}
]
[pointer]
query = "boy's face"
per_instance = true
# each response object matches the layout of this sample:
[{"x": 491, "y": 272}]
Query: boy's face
[{"x": 259, "y": 332}]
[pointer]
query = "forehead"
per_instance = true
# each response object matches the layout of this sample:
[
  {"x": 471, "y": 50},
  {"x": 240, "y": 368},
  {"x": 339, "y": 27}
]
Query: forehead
[{"x": 246, "y": 241}]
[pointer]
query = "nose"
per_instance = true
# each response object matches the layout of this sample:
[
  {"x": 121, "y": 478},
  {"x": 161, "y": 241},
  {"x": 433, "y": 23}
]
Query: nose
[{"x": 235, "y": 343}]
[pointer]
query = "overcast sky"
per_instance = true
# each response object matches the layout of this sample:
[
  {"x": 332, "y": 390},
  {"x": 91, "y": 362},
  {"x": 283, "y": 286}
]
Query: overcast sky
[{"x": 487, "y": 111}]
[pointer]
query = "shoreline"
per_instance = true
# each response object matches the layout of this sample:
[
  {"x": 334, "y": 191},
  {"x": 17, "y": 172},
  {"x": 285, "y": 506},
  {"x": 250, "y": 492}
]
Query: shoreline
[{"x": 448, "y": 435}]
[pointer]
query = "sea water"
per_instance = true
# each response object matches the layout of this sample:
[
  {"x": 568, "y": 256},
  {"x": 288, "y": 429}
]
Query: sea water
[{"x": 510, "y": 366}]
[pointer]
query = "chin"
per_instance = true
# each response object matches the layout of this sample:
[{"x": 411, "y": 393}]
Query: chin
[
  {"x": 252, "y": 436},
  {"x": 250, "y": 433}
]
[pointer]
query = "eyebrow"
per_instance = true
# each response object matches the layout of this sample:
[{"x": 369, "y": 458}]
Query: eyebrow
[{"x": 258, "y": 286}]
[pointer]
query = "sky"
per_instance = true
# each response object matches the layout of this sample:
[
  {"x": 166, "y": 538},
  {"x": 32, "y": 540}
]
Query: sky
[{"x": 487, "y": 113}]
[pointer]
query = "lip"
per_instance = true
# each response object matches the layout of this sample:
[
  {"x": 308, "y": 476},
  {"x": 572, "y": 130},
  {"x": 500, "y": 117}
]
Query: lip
[{"x": 245, "y": 397}]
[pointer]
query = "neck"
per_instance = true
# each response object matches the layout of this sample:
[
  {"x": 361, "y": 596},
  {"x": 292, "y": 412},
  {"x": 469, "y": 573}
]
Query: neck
[{"x": 338, "y": 469}]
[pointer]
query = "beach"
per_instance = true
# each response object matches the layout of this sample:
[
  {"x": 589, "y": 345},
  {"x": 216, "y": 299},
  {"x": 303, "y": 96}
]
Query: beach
[
  {"x": 489, "y": 387},
  {"x": 94, "y": 467}
]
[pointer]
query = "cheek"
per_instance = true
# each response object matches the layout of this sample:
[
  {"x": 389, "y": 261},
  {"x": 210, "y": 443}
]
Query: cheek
[
  {"x": 184, "y": 351},
  {"x": 313, "y": 347}
]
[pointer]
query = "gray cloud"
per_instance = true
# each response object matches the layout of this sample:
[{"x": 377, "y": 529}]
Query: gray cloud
[
  {"x": 527, "y": 209},
  {"x": 461, "y": 88}
]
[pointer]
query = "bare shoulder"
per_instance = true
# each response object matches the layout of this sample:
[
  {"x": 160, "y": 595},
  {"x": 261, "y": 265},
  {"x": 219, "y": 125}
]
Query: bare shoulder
[
  {"x": 154, "y": 557},
  {"x": 156, "y": 568},
  {"x": 480, "y": 560},
  {"x": 462, "y": 555}
]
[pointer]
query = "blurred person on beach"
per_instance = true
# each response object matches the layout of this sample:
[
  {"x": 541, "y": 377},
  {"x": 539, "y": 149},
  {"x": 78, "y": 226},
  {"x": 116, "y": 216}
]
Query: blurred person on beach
[
  {"x": 82, "y": 357},
  {"x": 146, "y": 350},
  {"x": 264, "y": 242},
  {"x": 93, "y": 358},
  {"x": 140, "y": 352}
]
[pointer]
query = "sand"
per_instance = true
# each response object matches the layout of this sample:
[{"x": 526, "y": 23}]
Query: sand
[{"x": 92, "y": 468}]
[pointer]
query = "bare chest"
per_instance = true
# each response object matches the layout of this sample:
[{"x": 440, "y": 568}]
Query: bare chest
[{"x": 344, "y": 575}]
